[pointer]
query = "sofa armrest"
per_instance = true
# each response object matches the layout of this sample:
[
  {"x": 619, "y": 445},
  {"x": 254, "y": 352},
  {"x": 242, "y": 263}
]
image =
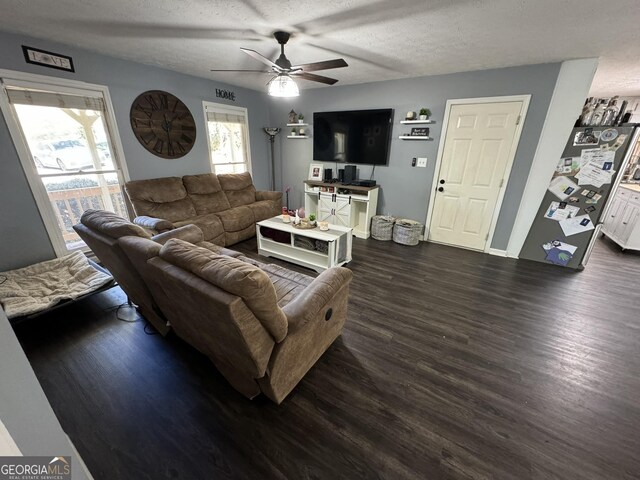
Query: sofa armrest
[
  {"x": 267, "y": 195},
  {"x": 316, "y": 297},
  {"x": 157, "y": 224},
  {"x": 188, "y": 233}
]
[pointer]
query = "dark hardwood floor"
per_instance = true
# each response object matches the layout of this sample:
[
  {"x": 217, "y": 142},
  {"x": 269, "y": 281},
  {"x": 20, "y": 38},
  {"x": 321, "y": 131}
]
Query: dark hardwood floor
[{"x": 453, "y": 365}]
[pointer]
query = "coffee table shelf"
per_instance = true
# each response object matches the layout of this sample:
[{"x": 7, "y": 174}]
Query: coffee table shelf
[{"x": 339, "y": 240}]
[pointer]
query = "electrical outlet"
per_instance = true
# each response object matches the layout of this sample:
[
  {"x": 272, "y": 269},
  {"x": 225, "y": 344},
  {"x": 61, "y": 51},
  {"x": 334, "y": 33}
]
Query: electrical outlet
[
  {"x": 413, "y": 162},
  {"x": 422, "y": 162}
]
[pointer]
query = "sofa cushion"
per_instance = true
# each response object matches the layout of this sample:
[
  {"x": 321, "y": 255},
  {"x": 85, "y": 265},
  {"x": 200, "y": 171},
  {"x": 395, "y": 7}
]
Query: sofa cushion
[
  {"x": 111, "y": 224},
  {"x": 236, "y": 219},
  {"x": 210, "y": 225},
  {"x": 206, "y": 193},
  {"x": 238, "y": 187},
  {"x": 288, "y": 284},
  {"x": 161, "y": 198},
  {"x": 217, "y": 249},
  {"x": 263, "y": 209},
  {"x": 231, "y": 238},
  {"x": 234, "y": 276}
]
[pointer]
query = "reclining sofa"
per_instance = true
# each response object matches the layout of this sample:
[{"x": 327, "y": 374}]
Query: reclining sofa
[
  {"x": 262, "y": 325},
  {"x": 101, "y": 230},
  {"x": 225, "y": 207}
]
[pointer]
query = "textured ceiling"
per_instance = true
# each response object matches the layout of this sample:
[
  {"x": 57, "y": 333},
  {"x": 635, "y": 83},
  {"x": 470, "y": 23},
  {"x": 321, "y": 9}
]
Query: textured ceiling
[{"x": 380, "y": 40}]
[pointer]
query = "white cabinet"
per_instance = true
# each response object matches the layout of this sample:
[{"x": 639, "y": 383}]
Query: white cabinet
[
  {"x": 622, "y": 222},
  {"x": 352, "y": 208}
]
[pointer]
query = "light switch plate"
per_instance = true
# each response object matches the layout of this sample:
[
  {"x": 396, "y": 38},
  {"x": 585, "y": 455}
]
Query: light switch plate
[{"x": 422, "y": 162}]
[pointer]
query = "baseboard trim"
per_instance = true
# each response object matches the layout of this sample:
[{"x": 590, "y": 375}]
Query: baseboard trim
[{"x": 497, "y": 252}]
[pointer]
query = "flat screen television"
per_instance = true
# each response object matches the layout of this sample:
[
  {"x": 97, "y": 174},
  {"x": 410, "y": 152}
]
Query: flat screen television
[{"x": 357, "y": 136}]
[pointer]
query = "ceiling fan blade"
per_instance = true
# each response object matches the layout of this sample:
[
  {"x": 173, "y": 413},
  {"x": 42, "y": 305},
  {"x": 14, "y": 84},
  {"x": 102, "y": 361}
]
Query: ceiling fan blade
[
  {"x": 325, "y": 65},
  {"x": 254, "y": 71},
  {"x": 260, "y": 58},
  {"x": 314, "y": 78}
]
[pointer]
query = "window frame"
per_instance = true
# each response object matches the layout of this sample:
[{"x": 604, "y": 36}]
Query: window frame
[
  {"x": 74, "y": 87},
  {"x": 233, "y": 110}
]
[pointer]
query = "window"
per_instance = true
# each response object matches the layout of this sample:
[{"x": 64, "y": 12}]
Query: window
[
  {"x": 66, "y": 140},
  {"x": 228, "y": 135}
]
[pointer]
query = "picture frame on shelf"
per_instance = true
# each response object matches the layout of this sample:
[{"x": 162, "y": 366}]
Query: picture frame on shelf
[{"x": 315, "y": 172}]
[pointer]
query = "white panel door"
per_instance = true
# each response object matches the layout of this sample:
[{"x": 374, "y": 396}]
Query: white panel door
[{"x": 476, "y": 153}]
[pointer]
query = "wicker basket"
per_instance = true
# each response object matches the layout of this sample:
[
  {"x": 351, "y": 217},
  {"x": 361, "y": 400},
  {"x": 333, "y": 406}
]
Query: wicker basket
[
  {"x": 407, "y": 232},
  {"x": 382, "y": 227}
]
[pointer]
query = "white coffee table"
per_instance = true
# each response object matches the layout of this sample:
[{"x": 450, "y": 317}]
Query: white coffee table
[{"x": 338, "y": 241}]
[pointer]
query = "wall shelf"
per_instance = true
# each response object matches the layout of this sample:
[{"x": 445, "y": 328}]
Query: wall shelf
[
  {"x": 297, "y": 124},
  {"x": 297, "y": 136},
  {"x": 415, "y": 122},
  {"x": 414, "y": 137}
]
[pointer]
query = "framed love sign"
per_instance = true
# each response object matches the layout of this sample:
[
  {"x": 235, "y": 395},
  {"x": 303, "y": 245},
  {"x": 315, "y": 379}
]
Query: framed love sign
[{"x": 48, "y": 59}]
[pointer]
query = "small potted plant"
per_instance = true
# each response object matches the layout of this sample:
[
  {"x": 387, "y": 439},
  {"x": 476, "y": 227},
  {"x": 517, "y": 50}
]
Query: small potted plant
[
  {"x": 312, "y": 220},
  {"x": 294, "y": 133},
  {"x": 425, "y": 113},
  {"x": 301, "y": 118}
]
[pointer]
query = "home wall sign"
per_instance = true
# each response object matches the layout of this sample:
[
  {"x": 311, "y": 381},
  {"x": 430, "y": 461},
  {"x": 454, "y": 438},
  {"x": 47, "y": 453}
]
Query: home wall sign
[
  {"x": 226, "y": 94},
  {"x": 48, "y": 59}
]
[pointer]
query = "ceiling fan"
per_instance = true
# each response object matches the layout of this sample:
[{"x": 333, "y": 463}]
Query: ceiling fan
[{"x": 283, "y": 84}]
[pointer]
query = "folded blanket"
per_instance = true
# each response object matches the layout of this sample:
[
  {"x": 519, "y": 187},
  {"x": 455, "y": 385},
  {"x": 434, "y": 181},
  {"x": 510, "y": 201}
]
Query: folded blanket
[{"x": 38, "y": 287}]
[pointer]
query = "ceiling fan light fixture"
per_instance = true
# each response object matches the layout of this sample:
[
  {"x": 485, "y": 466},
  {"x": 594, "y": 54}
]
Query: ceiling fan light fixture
[{"x": 283, "y": 85}]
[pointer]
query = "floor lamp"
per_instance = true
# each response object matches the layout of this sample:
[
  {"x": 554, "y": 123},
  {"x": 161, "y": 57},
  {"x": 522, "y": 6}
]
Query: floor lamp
[{"x": 272, "y": 132}]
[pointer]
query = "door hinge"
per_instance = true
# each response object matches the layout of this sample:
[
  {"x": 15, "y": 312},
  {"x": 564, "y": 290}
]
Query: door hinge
[
  {"x": 501, "y": 183},
  {"x": 518, "y": 119},
  {"x": 486, "y": 238}
]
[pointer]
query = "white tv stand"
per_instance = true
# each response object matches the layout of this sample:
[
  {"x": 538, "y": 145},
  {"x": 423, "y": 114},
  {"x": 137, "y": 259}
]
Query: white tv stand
[{"x": 353, "y": 207}]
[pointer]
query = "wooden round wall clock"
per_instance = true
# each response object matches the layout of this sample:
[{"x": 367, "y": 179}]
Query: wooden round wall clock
[{"x": 163, "y": 124}]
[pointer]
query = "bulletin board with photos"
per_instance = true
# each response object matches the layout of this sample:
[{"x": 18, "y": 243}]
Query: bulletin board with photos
[{"x": 577, "y": 192}]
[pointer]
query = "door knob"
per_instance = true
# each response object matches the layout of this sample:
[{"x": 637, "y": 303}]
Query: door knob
[
  {"x": 442, "y": 182},
  {"x": 441, "y": 189}
]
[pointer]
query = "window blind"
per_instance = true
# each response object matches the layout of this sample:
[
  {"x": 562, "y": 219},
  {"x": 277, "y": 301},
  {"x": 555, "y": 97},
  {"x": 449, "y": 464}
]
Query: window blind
[
  {"x": 213, "y": 116},
  {"x": 42, "y": 98}
]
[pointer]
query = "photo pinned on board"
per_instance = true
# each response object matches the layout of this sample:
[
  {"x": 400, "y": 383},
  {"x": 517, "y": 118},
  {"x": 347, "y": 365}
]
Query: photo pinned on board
[
  {"x": 558, "y": 252},
  {"x": 587, "y": 137},
  {"x": 562, "y": 187}
]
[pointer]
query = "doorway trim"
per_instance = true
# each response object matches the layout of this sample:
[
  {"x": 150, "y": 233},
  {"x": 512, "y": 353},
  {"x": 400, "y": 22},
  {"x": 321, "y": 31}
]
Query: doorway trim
[
  {"x": 32, "y": 80},
  {"x": 525, "y": 99}
]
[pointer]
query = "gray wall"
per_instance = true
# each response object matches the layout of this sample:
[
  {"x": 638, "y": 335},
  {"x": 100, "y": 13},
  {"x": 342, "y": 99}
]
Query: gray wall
[
  {"x": 405, "y": 190},
  {"x": 23, "y": 238}
]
